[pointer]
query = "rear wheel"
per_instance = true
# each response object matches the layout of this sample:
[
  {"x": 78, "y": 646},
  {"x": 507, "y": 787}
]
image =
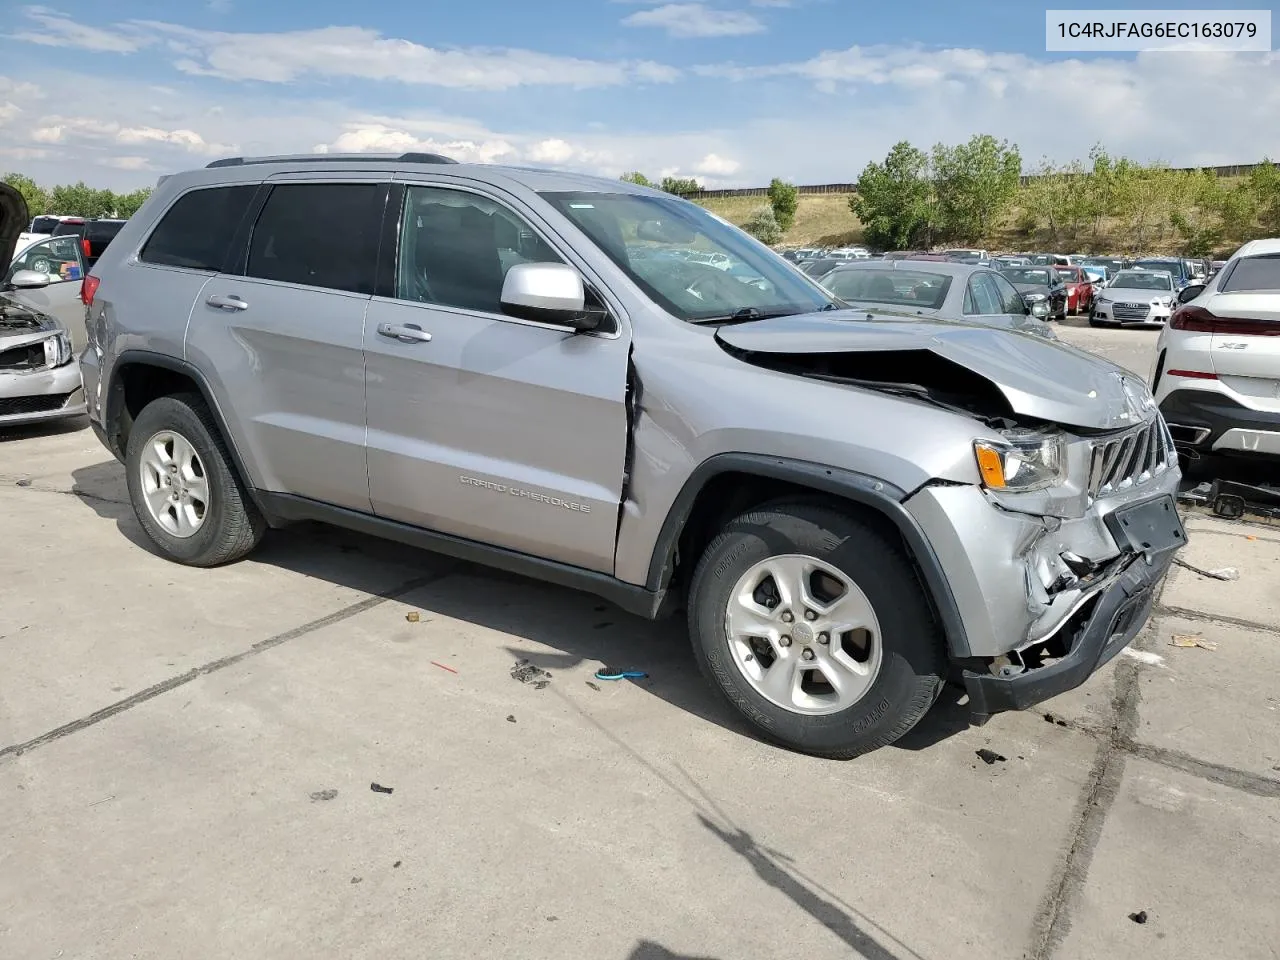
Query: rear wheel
[
  {"x": 183, "y": 487},
  {"x": 813, "y": 625}
]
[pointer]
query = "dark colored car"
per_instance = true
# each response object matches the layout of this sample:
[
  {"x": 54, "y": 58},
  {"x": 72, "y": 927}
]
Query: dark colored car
[
  {"x": 1040, "y": 284},
  {"x": 1174, "y": 266},
  {"x": 820, "y": 268},
  {"x": 94, "y": 235}
]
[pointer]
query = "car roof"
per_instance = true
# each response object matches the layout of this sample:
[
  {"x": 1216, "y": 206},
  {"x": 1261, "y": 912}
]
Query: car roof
[
  {"x": 948, "y": 267},
  {"x": 1257, "y": 248},
  {"x": 253, "y": 169}
]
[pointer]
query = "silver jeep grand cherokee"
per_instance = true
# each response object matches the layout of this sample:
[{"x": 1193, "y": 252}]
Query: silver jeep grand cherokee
[{"x": 605, "y": 386}]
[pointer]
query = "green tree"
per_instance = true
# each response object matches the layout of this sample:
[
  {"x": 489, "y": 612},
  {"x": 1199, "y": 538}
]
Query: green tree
[
  {"x": 36, "y": 198},
  {"x": 895, "y": 199},
  {"x": 1264, "y": 186},
  {"x": 680, "y": 186},
  {"x": 764, "y": 226},
  {"x": 783, "y": 198},
  {"x": 127, "y": 204},
  {"x": 75, "y": 200},
  {"x": 636, "y": 177},
  {"x": 974, "y": 183}
]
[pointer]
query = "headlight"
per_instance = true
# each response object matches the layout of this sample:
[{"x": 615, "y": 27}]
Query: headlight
[
  {"x": 1103, "y": 302},
  {"x": 1023, "y": 460},
  {"x": 57, "y": 350},
  {"x": 1033, "y": 297}
]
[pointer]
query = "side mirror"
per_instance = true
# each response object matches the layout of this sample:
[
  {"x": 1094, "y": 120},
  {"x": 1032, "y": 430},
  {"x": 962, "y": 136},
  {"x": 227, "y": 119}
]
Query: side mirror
[
  {"x": 548, "y": 293},
  {"x": 28, "y": 280},
  {"x": 1189, "y": 293}
]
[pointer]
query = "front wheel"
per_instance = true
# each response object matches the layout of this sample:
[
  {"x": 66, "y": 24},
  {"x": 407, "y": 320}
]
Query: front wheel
[
  {"x": 183, "y": 486},
  {"x": 813, "y": 625}
]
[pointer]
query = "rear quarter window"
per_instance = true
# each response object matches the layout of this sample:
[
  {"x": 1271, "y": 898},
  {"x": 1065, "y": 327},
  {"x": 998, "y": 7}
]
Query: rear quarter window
[
  {"x": 196, "y": 232},
  {"x": 1254, "y": 274}
]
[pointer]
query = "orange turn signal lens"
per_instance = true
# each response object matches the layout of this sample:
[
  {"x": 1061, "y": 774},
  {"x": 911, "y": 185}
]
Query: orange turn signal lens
[{"x": 990, "y": 465}]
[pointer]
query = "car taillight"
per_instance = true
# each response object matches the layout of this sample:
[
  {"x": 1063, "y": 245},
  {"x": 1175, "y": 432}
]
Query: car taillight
[
  {"x": 86, "y": 247},
  {"x": 1200, "y": 320},
  {"x": 88, "y": 290}
]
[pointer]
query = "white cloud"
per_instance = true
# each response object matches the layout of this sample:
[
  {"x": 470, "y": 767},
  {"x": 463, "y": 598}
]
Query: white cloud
[
  {"x": 58, "y": 30},
  {"x": 717, "y": 166},
  {"x": 128, "y": 163},
  {"x": 19, "y": 90},
  {"x": 57, "y": 129},
  {"x": 684, "y": 20},
  {"x": 8, "y": 111}
]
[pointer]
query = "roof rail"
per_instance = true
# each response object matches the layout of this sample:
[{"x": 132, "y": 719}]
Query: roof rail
[{"x": 335, "y": 158}]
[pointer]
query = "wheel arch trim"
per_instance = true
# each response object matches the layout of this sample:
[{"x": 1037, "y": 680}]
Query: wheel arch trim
[{"x": 872, "y": 492}]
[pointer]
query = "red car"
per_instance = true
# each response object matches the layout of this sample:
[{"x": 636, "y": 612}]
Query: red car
[{"x": 1079, "y": 289}]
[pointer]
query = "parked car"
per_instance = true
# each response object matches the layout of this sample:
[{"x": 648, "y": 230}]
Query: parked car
[
  {"x": 1010, "y": 261},
  {"x": 93, "y": 235},
  {"x": 1135, "y": 297},
  {"x": 466, "y": 357},
  {"x": 1176, "y": 267},
  {"x": 967, "y": 254},
  {"x": 46, "y": 276},
  {"x": 1049, "y": 260},
  {"x": 39, "y": 379},
  {"x": 947, "y": 291},
  {"x": 1097, "y": 275},
  {"x": 1113, "y": 265},
  {"x": 40, "y": 228},
  {"x": 1079, "y": 288},
  {"x": 905, "y": 254},
  {"x": 1217, "y": 370},
  {"x": 820, "y": 268},
  {"x": 1040, "y": 285}
]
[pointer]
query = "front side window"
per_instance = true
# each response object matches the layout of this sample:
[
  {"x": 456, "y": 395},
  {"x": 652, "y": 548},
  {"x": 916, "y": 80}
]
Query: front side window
[
  {"x": 319, "y": 235},
  {"x": 196, "y": 232},
  {"x": 57, "y": 259},
  {"x": 456, "y": 248},
  {"x": 1011, "y": 301},
  {"x": 694, "y": 265}
]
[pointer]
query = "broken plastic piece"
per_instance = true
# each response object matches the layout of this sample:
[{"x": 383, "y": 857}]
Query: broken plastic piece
[
  {"x": 1221, "y": 573},
  {"x": 379, "y": 788},
  {"x": 989, "y": 756},
  {"x": 1187, "y": 640},
  {"x": 526, "y": 672},
  {"x": 413, "y": 616},
  {"x": 443, "y": 666},
  {"x": 605, "y": 673},
  {"x": 1139, "y": 917}
]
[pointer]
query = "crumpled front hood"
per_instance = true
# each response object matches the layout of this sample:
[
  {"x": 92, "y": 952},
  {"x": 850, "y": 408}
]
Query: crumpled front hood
[{"x": 1040, "y": 378}]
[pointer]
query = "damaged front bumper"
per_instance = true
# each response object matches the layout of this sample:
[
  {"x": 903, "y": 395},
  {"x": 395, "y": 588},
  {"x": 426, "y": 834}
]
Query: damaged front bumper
[{"x": 1045, "y": 598}]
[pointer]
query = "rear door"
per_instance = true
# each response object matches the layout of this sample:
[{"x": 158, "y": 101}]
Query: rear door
[
  {"x": 500, "y": 430},
  {"x": 1246, "y": 338},
  {"x": 282, "y": 330}
]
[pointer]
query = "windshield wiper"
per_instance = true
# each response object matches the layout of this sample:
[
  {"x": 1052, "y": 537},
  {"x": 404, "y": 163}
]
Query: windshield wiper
[{"x": 754, "y": 313}]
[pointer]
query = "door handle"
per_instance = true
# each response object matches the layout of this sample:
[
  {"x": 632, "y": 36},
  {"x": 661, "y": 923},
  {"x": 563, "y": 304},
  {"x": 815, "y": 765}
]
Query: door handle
[
  {"x": 406, "y": 333},
  {"x": 231, "y": 302}
]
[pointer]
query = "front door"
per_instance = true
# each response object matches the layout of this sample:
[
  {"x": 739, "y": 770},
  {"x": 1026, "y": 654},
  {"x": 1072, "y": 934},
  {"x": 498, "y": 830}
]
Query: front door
[
  {"x": 499, "y": 430},
  {"x": 61, "y": 263}
]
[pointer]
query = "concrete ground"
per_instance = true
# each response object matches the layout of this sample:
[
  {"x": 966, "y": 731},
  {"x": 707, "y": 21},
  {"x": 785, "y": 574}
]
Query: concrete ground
[{"x": 186, "y": 760}]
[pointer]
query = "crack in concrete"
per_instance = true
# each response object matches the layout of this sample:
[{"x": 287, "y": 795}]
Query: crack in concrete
[
  {"x": 73, "y": 492},
  {"x": 1164, "y": 610},
  {"x": 1233, "y": 777},
  {"x": 213, "y": 666}
]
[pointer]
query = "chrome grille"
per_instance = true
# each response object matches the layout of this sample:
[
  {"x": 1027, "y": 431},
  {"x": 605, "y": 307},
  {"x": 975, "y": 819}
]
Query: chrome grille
[
  {"x": 1131, "y": 311},
  {"x": 1125, "y": 461}
]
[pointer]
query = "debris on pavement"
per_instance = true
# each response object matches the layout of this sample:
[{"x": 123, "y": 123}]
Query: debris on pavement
[
  {"x": 103, "y": 800},
  {"x": 1188, "y": 640},
  {"x": 526, "y": 672},
  {"x": 1052, "y": 718},
  {"x": 1139, "y": 917},
  {"x": 396, "y": 865},
  {"x": 24, "y": 482},
  {"x": 379, "y": 788},
  {"x": 1222, "y": 573},
  {"x": 1143, "y": 656},
  {"x": 511, "y": 718},
  {"x": 413, "y": 616},
  {"x": 323, "y": 795},
  {"x": 593, "y": 686},
  {"x": 356, "y": 879},
  {"x": 989, "y": 756},
  {"x": 443, "y": 666},
  {"x": 608, "y": 673}
]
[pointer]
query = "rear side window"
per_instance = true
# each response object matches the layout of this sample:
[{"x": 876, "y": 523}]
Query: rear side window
[
  {"x": 320, "y": 235},
  {"x": 1254, "y": 273},
  {"x": 44, "y": 224},
  {"x": 196, "y": 232},
  {"x": 984, "y": 298}
]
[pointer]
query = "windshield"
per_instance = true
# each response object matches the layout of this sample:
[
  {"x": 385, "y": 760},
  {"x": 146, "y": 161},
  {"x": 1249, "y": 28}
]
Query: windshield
[
  {"x": 695, "y": 266},
  {"x": 907, "y": 288},
  {"x": 1040, "y": 277},
  {"x": 1136, "y": 280},
  {"x": 1172, "y": 266},
  {"x": 1254, "y": 273}
]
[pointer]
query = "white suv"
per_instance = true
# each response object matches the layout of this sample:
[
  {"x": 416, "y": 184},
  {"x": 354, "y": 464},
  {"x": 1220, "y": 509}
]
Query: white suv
[{"x": 1217, "y": 373}]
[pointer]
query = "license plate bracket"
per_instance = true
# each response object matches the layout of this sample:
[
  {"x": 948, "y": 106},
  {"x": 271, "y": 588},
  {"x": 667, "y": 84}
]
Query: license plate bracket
[{"x": 1150, "y": 527}]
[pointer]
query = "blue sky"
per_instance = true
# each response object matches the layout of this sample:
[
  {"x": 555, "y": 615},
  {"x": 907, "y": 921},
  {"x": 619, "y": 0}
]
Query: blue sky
[{"x": 733, "y": 92}]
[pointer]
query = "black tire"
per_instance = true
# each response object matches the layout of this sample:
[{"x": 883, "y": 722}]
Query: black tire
[
  {"x": 232, "y": 525},
  {"x": 913, "y": 665}
]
